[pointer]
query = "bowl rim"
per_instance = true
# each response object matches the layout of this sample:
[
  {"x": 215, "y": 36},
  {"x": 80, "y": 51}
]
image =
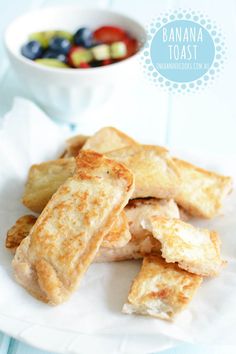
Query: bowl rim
[{"x": 72, "y": 71}]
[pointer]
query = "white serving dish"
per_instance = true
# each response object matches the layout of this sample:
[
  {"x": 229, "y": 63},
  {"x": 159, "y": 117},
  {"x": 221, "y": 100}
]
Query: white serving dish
[{"x": 65, "y": 93}]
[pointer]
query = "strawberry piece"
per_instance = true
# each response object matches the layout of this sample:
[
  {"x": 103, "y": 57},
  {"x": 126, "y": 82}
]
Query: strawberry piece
[
  {"x": 84, "y": 66},
  {"x": 109, "y": 34},
  {"x": 107, "y": 62},
  {"x": 131, "y": 45}
]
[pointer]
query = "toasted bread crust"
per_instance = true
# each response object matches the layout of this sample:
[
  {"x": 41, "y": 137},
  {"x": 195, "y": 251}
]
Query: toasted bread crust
[
  {"x": 118, "y": 236},
  {"x": 43, "y": 181},
  {"x": 65, "y": 238},
  {"x": 19, "y": 231},
  {"x": 108, "y": 139},
  {"x": 155, "y": 173},
  {"x": 160, "y": 289},
  {"x": 195, "y": 250},
  {"x": 201, "y": 192},
  {"x": 129, "y": 222}
]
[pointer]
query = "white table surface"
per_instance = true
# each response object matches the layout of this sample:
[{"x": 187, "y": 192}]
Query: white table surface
[{"x": 202, "y": 122}]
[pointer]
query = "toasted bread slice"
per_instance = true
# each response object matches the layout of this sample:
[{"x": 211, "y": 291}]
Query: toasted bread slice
[
  {"x": 160, "y": 289},
  {"x": 129, "y": 222},
  {"x": 51, "y": 261},
  {"x": 201, "y": 192},
  {"x": 107, "y": 139},
  {"x": 74, "y": 145},
  {"x": 43, "y": 181},
  {"x": 155, "y": 173},
  {"x": 142, "y": 242},
  {"x": 19, "y": 231},
  {"x": 118, "y": 236},
  {"x": 195, "y": 250}
]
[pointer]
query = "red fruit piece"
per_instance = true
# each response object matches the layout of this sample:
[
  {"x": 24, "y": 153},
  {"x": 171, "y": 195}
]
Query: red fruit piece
[
  {"x": 107, "y": 62},
  {"x": 131, "y": 45},
  {"x": 84, "y": 66},
  {"x": 109, "y": 34}
]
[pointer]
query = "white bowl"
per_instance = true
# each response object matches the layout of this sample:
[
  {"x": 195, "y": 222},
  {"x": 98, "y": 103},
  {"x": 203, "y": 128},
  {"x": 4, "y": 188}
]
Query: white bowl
[{"x": 65, "y": 93}]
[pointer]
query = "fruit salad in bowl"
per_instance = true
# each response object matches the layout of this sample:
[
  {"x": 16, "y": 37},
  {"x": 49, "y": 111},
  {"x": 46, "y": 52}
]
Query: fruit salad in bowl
[
  {"x": 49, "y": 50},
  {"x": 82, "y": 49}
]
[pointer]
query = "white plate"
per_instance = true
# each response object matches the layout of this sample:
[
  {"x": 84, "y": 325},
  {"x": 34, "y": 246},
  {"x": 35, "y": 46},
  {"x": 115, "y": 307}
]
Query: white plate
[{"x": 91, "y": 321}]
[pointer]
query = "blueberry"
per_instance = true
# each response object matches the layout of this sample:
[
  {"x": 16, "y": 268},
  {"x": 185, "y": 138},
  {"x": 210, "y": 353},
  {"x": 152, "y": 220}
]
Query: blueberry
[
  {"x": 32, "y": 50},
  {"x": 60, "y": 45},
  {"x": 83, "y": 37},
  {"x": 51, "y": 54}
]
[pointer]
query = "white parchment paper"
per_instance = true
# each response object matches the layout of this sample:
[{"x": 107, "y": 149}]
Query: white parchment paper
[{"x": 93, "y": 313}]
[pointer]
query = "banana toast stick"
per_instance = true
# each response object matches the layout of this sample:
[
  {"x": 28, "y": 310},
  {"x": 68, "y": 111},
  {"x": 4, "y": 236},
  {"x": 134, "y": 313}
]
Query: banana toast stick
[
  {"x": 105, "y": 139},
  {"x": 108, "y": 139},
  {"x": 201, "y": 192},
  {"x": 117, "y": 245},
  {"x": 161, "y": 289},
  {"x": 43, "y": 181},
  {"x": 154, "y": 171},
  {"x": 195, "y": 250},
  {"x": 51, "y": 261},
  {"x": 118, "y": 236}
]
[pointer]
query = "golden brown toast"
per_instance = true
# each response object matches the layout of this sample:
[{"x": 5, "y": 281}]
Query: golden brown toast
[
  {"x": 160, "y": 289},
  {"x": 195, "y": 250},
  {"x": 19, "y": 231},
  {"x": 201, "y": 192},
  {"x": 51, "y": 261},
  {"x": 129, "y": 222},
  {"x": 118, "y": 236},
  {"x": 43, "y": 181},
  {"x": 155, "y": 173},
  {"x": 107, "y": 139}
]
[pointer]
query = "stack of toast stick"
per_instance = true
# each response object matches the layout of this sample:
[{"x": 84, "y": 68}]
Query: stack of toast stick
[{"x": 109, "y": 198}]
